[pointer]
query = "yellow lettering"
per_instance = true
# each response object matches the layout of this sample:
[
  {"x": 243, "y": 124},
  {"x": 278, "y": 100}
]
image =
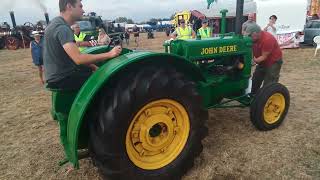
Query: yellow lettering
[
  {"x": 222, "y": 49},
  {"x": 211, "y": 50},
  {"x": 215, "y": 50}
]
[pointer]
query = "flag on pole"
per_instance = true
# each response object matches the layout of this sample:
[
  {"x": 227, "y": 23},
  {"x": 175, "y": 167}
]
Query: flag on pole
[{"x": 210, "y": 2}]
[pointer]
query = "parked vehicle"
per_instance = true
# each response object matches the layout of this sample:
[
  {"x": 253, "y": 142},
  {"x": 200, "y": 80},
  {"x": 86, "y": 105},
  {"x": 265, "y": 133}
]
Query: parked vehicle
[{"x": 311, "y": 30}]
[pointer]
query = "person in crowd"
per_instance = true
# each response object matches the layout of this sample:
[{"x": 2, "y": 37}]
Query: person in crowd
[
  {"x": 103, "y": 38},
  {"x": 271, "y": 26},
  {"x": 250, "y": 20},
  {"x": 127, "y": 36},
  {"x": 267, "y": 54},
  {"x": 136, "y": 32},
  {"x": 183, "y": 31},
  {"x": 65, "y": 67},
  {"x": 205, "y": 31},
  {"x": 168, "y": 31},
  {"x": 36, "y": 53},
  {"x": 82, "y": 40}
]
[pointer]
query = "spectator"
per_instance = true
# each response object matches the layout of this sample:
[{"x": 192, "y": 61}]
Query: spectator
[
  {"x": 271, "y": 26},
  {"x": 36, "y": 52},
  {"x": 248, "y": 22},
  {"x": 183, "y": 31},
  {"x": 168, "y": 31},
  {"x": 127, "y": 36},
  {"x": 267, "y": 54},
  {"x": 136, "y": 32},
  {"x": 205, "y": 31},
  {"x": 103, "y": 38},
  {"x": 82, "y": 40}
]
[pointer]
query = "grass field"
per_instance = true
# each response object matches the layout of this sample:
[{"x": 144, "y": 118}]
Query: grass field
[{"x": 234, "y": 149}]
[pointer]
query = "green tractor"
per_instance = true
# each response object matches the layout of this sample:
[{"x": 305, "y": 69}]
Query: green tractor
[
  {"x": 90, "y": 23},
  {"x": 142, "y": 115}
]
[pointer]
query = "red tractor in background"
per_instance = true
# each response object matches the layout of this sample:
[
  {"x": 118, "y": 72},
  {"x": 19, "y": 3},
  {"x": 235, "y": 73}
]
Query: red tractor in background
[{"x": 19, "y": 36}]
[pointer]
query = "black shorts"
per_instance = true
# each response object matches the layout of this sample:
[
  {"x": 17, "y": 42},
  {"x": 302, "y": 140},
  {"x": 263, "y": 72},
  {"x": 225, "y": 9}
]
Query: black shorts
[{"x": 74, "y": 81}]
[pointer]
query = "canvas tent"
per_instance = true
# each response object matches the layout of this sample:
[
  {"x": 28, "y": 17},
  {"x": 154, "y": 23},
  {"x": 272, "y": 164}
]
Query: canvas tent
[{"x": 291, "y": 14}]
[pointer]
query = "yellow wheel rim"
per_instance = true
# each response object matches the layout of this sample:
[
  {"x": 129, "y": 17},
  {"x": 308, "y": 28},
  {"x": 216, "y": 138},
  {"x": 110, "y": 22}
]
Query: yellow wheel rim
[
  {"x": 274, "y": 108},
  {"x": 157, "y": 134}
]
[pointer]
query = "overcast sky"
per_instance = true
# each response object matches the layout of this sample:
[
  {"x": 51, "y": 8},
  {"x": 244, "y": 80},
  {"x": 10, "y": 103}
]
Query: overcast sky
[{"x": 138, "y": 10}]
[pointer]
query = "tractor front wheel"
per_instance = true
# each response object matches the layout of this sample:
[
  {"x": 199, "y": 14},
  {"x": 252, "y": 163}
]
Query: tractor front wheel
[
  {"x": 149, "y": 126},
  {"x": 270, "y": 106},
  {"x": 12, "y": 43}
]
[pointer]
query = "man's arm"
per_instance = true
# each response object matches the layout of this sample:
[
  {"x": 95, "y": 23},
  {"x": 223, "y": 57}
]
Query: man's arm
[
  {"x": 86, "y": 59},
  {"x": 262, "y": 58},
  {"x": 273, "y": 27},
  {"x": 85, "y": 42},
  {"x": 266, "y": 28},
  {"x": 174, "y": 34},
  {"x": 193, "y": 34},
  {"x": 243, "y": 28}
]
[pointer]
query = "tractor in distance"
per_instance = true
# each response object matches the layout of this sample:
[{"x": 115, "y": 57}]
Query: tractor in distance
[
  {"x": 90, "y": 23},
  {"x": 142, "y": 115}
]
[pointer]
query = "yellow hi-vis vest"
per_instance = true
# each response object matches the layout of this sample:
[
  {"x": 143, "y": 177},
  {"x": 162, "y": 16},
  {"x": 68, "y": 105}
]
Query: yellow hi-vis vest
[
  {"x": 80, "y": 38},
  {"x": 205, "y": 34},
  {"x": 185, "y": 33}
]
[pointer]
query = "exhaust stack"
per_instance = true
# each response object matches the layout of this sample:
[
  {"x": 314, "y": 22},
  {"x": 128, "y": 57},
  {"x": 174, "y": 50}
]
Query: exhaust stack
[
  {"x": 239, "y": 16},
  {"x": 13, "y": 19},
  {"x": 46, "y": 15}
]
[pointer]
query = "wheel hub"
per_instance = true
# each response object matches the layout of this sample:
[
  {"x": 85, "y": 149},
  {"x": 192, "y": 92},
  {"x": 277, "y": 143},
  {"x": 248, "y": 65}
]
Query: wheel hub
[
  {"x": 154, "y": 138},
  {"x": 274, "y": 108}
]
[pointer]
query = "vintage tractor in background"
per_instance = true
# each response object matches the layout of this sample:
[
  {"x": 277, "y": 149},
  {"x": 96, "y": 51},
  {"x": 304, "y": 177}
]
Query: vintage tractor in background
[
  {"x": 90, "y": 24},
  {"x": 142, "y": 115},
  {"x": 193, "y": 17},
  {"x": 18, "y": 36}
]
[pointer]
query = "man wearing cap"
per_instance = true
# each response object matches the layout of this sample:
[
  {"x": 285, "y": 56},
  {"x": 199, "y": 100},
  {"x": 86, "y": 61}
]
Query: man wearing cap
[
  {"x": 183, "y": 32},
  {"x": 267, "y": 54},
  {"x": 205, "y": 31}
]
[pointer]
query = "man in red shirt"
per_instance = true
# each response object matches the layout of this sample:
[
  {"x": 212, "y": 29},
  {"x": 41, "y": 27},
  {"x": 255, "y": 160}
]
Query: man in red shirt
[{"x": 267, "y": 54}]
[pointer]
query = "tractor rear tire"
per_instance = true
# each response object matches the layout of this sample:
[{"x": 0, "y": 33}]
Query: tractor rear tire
[
  {"x": 149, "y": 126},
  {"x": 270, "y": 107}
]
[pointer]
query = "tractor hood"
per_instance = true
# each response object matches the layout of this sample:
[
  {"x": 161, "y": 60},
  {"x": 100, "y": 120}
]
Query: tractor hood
[{"x": 207, "y": 48}]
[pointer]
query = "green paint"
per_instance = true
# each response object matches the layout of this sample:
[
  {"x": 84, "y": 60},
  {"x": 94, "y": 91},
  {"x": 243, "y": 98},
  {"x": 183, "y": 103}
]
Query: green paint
[
  {"x": 223, "y": 21},
  {"x": 187, "y": 56}
]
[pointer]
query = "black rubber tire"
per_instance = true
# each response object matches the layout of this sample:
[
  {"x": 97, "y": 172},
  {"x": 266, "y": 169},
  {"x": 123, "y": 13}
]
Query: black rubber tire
[
  {"x": 118, "y": 106},
  {"x": 258, "y": 104},
  {"x": 2, "y": 43}
]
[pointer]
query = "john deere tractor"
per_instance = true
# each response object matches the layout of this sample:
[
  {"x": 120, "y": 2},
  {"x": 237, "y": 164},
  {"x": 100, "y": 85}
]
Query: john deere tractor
[{"x": 142, "y": 115}]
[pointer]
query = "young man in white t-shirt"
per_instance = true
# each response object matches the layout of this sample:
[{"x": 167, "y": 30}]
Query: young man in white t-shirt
[{"x": 271, "y": 26}]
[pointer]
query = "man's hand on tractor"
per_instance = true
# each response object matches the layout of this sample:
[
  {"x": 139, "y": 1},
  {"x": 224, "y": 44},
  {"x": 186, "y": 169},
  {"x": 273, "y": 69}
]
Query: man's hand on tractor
[{"x": 115, "y": 51}]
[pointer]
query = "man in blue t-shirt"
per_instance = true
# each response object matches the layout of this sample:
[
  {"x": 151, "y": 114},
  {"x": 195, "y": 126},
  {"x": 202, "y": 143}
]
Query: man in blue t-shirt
[{"x": 65, "y": 67}]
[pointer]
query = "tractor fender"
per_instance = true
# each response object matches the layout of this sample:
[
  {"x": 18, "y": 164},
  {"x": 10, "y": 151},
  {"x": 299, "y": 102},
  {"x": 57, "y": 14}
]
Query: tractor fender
[{"x": 104, "y": 74}]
